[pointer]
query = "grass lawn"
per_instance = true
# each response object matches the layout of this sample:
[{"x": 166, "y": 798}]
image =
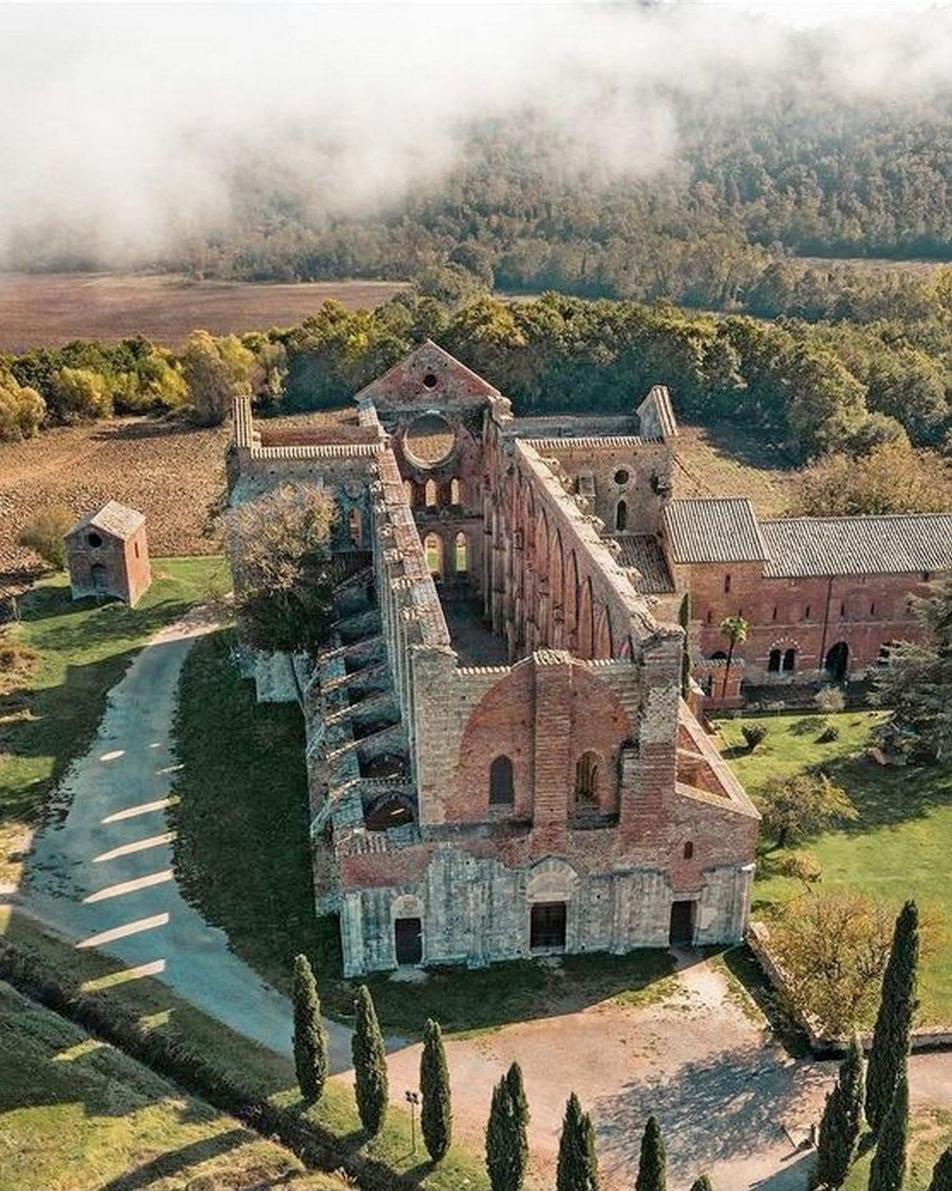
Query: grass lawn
[
  {"x": 898, "y": 848},
  {"x": 77, "y": 1115},
  {"x": 260, "y": 1070},
  {"x": 243, "y": 856},
  {"x": 51, "y": 706},
  {"x": 929, "y": 1133}
]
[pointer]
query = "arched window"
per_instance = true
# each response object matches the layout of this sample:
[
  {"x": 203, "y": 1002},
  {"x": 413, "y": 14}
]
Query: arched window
[
  {"x": 689, "y": 850},
  {"x": 621, "y": 515},
  {"x": 586, "y": 779},
  {"x": 430, "y": 494},
  {"x": 718, "y": 656},
  {"x": 727, "y": 582},
  {"x": 455, "y": 492},
  {"x": 501, "y": 789},
  {"x": 773, "y": 662},
  {"x": 433, "y": 547},
  {"x": 461, "y": 554},
  {"x": 354, "y": 528},
  {"x": 789, "y": 661}
]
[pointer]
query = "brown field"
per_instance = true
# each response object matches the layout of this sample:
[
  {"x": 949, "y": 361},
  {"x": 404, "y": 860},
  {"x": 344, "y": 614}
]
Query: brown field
[
  {"x": 51, "y": 309},
  {"x": 174, "y": 474}
]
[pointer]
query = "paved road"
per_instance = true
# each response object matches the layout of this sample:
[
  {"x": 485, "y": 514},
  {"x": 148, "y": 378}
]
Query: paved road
[{"x": 104, "y": 878}]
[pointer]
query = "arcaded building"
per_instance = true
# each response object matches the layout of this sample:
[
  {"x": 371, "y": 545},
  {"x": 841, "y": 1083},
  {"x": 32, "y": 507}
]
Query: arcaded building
[{"x": 500, "y": 762}]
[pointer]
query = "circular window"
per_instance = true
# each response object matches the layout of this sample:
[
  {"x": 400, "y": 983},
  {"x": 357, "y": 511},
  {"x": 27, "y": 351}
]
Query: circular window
[
  {"x": 621, "y": 476},
  {"x": 429, "y": 440},
  {"x": 94, "y": 540},
  {"x": 429, "y": 381}
]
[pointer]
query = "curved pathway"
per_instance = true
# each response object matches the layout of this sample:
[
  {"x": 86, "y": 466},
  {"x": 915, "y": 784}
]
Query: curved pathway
[{"x": 103, "y": 878}]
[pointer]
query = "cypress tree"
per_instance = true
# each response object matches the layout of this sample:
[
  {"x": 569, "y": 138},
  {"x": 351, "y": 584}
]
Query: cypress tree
[
  {"x": 684, "y": 616},
  {"x": 436, "y": 1114},
  {"x": 841, "y": 1122},
  {"x": 889, "y": 1162},
  {"x": 500, "y": 1132},
  {"x": 370, "y": 1064},
  {"x": 310, "y": 1040},
  {"x": 887, "y": 1056},
  {"x": 942, "y": 1173},
  {"x": 702, "y": 1184},
  {"x": 652, "y": 1174},
  {"x": 520, "y": 1127},
  {"x": 577, "y": 1168}
]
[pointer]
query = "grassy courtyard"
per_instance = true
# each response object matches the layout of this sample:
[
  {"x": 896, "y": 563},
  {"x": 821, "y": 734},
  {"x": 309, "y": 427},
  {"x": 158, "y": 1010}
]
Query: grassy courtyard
[
  {"x": 899, "y": 847},
  {"x": 71, "y": 654},
  {"x": 78, "y": 1115},
  {"x": 242, "y": 855},
  {"x": 930, "y": 1132}
]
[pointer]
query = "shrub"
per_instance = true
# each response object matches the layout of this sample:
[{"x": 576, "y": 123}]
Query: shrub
[
  {"x": 753, "y": 734},
  {"x": 82, "y": 394},
  {"x": 22, "y": 410},
  {"x": 830, "y": 733},
  {"x": 829, "y": 699},
  {"x": 43, "y": 534}
]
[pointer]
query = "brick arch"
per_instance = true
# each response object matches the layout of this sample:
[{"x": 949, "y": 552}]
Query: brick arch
[
  {"x": 557, "y": 589},
  {"x": 602, "y": 638}
]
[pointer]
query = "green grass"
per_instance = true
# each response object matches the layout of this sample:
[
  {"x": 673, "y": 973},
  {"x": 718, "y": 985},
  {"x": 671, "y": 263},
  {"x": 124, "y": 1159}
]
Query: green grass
[
  {"x": 75, "y": 1114},
  {"x": 898, "y": 848},
  {"x": 261, "y": 1071},
  {"x": 49, "y": 714},
  {"x": 243, "y": 857},
  {"x": 930, "y": 1132}
]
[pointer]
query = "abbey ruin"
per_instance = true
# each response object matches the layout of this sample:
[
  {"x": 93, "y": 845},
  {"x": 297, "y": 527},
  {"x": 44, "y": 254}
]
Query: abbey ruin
[{"x": 500, "y": 760}]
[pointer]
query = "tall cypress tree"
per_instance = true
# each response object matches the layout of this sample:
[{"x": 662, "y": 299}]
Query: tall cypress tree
[
  {"x": 942, "y": 1172},
  {"x": 577, "y": 1168},
  {"x": 652, "y": 1172},
  {"x": 887, "y": 1056},
  {"x": 888, "y": 1168},
  {"x": 370, "y": 1064},
  {"x": 702, "y": 1184},
  {"x": 499, "y": 1134},
  {"x": 436, "y": 1115},
  {"x": 841, "y": 1122},
  {"x": 684, "y": 617},
  {"x": 520, "y": 1126},
  {"x": 310, "y": 1040}
]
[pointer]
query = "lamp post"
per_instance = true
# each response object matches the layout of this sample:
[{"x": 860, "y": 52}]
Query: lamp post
[{"x": 413, "y": 1099}]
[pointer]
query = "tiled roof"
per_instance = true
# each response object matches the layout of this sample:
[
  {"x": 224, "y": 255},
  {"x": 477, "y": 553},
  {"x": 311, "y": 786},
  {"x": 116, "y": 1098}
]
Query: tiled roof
[
  {"x": 642, "y": 551},
  {"x": 714, "y": 531},
  {"x": 119, "y": 521},
  {"x": 894, "y": 544}
]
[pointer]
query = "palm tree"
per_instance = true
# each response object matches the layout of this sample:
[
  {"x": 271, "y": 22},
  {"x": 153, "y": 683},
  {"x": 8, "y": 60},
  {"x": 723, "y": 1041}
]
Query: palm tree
[{"x": 734, "y": 628}]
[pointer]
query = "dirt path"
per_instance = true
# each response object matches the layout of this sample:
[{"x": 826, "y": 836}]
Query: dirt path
[{"x": 104, "y": 877}]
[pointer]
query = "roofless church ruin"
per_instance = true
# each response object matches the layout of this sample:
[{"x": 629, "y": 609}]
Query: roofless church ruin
[{"x": 500, "y": 761}]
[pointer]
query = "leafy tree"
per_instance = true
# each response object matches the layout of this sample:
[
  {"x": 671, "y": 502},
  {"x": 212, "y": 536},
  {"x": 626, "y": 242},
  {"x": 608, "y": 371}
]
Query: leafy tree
[
  {"x": 22, "y": 409},
  {"x": 577, "y": 1168},
  {"x": 735, "y": 629},
  {"x": 652, "y": 1166},
  {"x": 841, "y": 1122},
  {"x": 507, "y": 1146},
  {"x": 436, "y": 1115},
  {"x": 888, "y": 1168},
  {"x": 81, "y": 394},
  {"x": 801, "y": 805},
  {"x": 942, "y": 1172},
  {"x": 835, "y": 946},
  {"x": 890, "y": 1046},
  {"x": 753, "y": 735},
  {"x": 310, "y": 1039},
  {"x": 216, "y": 372},
  {"x": 891, "y": 478},
  {"x": 917, "y": 683},
  {"x": 44, "y": 533},
  {"x": 370, "y": 1064},
  {"x": 280, "y": 550}
]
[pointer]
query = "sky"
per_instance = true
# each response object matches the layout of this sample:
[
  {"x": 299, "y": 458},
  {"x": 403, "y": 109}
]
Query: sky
[{"x": 121, "y": 125}]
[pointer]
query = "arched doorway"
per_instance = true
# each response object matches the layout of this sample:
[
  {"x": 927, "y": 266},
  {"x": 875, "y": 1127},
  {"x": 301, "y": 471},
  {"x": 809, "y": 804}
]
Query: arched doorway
[{"x": 837, "y": 661}]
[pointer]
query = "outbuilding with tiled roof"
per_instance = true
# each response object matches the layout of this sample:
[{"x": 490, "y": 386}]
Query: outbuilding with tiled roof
[{"x": 107, "y": 554}]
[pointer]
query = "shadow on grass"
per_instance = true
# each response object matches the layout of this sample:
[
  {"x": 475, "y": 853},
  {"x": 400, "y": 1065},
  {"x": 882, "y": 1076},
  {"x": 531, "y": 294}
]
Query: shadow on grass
[
  {"x": 166, "y": 1166},
  {"x": 739, "y": 443},
  {"x": 886, "y": 795}
]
